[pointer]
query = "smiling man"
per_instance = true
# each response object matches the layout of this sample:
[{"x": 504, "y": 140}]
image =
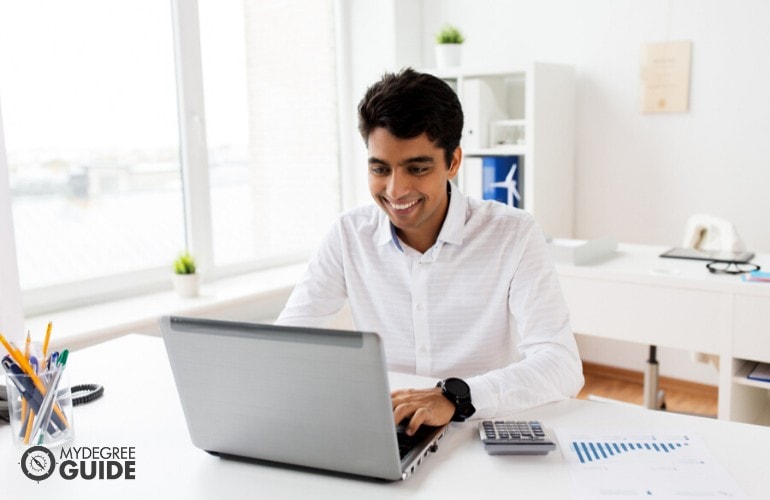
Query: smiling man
[
  {"x": 408, "y": 180},
  {"x": 459, "y": 289}
]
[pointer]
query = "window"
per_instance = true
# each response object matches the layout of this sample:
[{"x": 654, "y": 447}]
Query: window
[
  {"x": 89, "y": 113},
  {"x": 92, "y": 126},
  {"x": 269, "y": 88}
]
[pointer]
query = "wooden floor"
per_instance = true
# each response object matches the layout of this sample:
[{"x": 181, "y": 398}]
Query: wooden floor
[{"x": 626, "y": 385}]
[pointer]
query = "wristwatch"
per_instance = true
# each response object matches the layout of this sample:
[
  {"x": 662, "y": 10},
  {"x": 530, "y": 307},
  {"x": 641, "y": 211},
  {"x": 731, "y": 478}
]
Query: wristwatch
[{"x": 458, "y": 392}]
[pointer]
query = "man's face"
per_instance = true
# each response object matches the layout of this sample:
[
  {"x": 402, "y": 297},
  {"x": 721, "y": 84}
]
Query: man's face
[{"x": 408, "y": 180}]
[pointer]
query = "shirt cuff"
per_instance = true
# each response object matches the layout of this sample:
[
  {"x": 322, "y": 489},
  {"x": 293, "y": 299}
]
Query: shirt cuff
[{"x": 483, "y": 397}]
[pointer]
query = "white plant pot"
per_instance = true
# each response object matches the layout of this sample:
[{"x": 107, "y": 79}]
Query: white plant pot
[
  {"x": 186, "y": 285},
  {"x": 448, "y": 54}
]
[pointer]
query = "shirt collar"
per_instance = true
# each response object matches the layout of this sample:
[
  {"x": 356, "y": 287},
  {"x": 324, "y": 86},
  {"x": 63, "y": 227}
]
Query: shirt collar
[
  {"x": 454, "y": 223},
  {"x": 451, "y": 230}
]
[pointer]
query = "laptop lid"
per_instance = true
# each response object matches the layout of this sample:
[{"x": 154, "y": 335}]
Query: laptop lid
[{"x": 302, "y": 396}]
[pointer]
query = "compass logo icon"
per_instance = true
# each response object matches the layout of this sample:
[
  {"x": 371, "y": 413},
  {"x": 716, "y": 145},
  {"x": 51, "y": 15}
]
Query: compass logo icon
[{"x": 38, "y": 463}]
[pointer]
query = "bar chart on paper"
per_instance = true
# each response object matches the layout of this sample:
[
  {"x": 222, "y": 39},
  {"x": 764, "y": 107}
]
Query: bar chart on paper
[
  {"x": 633, "y": 447},
  {"x": 607, "y": 465}
]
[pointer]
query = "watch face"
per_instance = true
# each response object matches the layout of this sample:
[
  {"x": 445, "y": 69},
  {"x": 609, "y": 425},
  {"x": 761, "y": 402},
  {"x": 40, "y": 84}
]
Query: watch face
[{"x": 457, "y": 387}]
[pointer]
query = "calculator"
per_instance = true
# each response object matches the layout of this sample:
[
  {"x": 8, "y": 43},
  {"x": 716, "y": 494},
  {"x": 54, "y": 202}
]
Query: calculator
[{"x": 515, "y": 437}]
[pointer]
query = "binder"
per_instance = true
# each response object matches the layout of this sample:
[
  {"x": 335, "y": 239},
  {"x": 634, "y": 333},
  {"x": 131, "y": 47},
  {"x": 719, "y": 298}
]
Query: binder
[
  {"x": 761, "y": 371},
  {"x": 501, "y": 177}
]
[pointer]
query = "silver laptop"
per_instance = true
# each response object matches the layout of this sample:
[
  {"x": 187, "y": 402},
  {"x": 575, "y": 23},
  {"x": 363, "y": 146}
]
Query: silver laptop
[{"x": 300, "y": 396}]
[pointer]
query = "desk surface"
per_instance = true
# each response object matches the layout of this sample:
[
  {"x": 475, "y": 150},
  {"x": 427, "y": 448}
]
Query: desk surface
[
  {"x": 642, "y": 264},
  {"x": 140, "y": 409}
]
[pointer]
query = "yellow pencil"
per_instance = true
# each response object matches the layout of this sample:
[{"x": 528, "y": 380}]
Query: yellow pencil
[
  {"x": 45, "y": 342},
  {"x": 31, "y": 421},
  {"x": 7, "y": 346},
  {"x": 24, "y": 401}
]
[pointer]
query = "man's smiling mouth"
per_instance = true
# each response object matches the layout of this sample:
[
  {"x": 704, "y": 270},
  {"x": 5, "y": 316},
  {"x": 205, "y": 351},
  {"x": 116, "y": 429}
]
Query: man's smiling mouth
[{"x": 403, "y": 206}]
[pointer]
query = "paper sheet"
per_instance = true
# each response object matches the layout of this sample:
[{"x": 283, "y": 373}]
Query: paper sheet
[{"x": 635, "y": 464}]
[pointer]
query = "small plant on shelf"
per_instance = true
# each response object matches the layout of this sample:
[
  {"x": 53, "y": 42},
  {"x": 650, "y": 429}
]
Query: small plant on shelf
[
  {"x": 185, "y": 276},
  {"x": 449, "y": 42},
  {"x": 184, "y": 264},
  {"x": 449, "y": 34}
]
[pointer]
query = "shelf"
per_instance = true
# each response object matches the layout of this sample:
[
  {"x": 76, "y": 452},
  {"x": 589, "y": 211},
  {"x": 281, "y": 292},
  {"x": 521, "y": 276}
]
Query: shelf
[
  {"x": 741, "y": 375},
  {"x": 525, "y": 111},
  {"x": 513, "y": 121},
  {"x": 512, "y": 150},
  {"x": 464, "y": 72}
]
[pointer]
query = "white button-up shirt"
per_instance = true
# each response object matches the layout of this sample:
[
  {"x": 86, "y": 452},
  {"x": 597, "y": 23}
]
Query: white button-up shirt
[{"x": 483, "y": 304}]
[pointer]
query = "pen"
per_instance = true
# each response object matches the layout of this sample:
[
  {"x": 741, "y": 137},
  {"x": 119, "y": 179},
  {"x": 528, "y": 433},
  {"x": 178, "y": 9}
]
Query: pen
[
  {"x": 52, "y": 360},
  {"x": 28, "y": 392},
  {"x": 44, "y": 416}
]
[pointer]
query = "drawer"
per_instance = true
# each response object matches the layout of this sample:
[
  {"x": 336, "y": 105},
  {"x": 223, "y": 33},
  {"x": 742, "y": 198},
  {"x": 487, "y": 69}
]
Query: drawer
[
  {"x": 751, "y": 328},
  {"x": 646, "y": 314}
]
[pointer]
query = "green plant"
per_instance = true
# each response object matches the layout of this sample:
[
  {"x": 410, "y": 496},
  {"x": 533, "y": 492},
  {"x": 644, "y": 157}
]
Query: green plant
[
  {"x": 449, "y": 34},
  {"x": 184, "y": 264}
]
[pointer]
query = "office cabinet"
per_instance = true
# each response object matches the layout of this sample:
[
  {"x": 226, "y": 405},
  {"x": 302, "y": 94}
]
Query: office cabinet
[
  {"x": 527, "y": 112},
  {"x": 749, "y": 399}
]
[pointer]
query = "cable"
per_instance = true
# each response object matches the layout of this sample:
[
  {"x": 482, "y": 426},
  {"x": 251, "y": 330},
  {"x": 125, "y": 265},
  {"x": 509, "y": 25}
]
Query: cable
[{"x": 85, "y": 393}]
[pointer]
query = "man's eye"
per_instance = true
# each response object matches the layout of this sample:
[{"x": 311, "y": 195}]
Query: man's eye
[
  {"x": 377, "y": 170},
  {"x": 418, "y": 170}
]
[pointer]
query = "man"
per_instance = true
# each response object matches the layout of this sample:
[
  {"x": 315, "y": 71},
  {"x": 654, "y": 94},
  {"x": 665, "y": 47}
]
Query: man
[{"x": 459, "y": 289}]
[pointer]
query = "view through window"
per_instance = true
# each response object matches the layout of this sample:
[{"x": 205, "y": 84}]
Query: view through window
[
  {"x": 92, "y": 134},
  {"x": 89, "y": 112}
]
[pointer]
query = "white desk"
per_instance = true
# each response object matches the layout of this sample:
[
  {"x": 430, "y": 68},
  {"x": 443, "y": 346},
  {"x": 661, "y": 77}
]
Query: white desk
[
  {"x": 140, "y": 409},
  {"x": 639, "y": 297}
]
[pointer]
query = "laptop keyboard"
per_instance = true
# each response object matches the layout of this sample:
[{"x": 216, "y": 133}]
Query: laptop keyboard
[{"x": 408, "y": 443}]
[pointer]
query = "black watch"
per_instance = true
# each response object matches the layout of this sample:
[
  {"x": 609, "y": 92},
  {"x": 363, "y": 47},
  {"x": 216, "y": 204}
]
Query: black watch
[{"x": 459, "y": 393}]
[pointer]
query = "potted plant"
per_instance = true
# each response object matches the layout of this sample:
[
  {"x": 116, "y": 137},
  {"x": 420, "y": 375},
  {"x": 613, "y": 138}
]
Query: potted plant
[
  {"x": 449, "y": 42},
  {"x": 185, "y": 276}
]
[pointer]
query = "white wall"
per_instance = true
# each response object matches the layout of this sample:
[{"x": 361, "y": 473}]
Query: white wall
[
  {"x": 637, "y": 177},
  {"x": 11, "y": 316}
]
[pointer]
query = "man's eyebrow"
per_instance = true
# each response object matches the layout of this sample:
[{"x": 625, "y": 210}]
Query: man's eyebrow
[
  {"x": 418, "y": 159},
  {"x": 376, "y": 161},
  {"x": 373, "y": 160}
]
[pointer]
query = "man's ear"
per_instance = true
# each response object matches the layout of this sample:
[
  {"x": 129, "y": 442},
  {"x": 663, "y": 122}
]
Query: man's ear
[{"x": 457, "y": 159}]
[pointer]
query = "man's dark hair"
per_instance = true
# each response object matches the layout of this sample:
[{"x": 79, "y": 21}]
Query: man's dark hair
[{"x": 409, "y": 103}]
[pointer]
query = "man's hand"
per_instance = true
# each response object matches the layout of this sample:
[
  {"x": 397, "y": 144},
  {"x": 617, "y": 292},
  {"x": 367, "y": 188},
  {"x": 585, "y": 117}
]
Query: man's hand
[{"x": 424, "y": 406}]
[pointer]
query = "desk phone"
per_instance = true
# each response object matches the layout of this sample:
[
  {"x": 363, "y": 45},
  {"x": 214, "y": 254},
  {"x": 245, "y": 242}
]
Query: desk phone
[{"x": 515, "y": 437}]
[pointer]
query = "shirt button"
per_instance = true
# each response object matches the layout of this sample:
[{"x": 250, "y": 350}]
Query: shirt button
[
  {"x": 423, "y": 348},
  {"x": 420, "y": 307}
]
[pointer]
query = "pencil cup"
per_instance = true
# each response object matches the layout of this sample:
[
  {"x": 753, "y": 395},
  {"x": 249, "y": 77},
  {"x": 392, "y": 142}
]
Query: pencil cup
[{"x": 40, "y": 417}]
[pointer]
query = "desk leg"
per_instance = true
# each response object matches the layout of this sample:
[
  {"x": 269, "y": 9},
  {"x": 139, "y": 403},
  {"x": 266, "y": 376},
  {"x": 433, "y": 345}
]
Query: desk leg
[{"x": 653, "y": 397}]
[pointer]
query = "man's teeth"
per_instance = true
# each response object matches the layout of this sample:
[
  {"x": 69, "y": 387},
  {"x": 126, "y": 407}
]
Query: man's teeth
[{"x": 403, "y": 206}]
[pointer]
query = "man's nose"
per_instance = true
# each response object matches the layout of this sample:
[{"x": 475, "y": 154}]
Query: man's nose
[{"x": 398, "y": 184}]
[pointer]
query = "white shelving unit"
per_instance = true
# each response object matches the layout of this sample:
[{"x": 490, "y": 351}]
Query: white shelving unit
[
  {"x": 747, "y": 400},
  {"x": 528, "y": 112}
]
